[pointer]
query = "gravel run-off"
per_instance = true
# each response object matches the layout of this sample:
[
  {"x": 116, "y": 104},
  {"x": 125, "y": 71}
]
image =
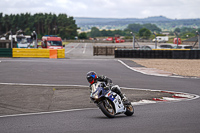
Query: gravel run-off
[{"x": 182, "y": 67}]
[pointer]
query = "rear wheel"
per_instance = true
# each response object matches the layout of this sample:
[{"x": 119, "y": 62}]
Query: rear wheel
[
  {"x": 129, "y": 110},
  {"x": 107, "y": 108}
]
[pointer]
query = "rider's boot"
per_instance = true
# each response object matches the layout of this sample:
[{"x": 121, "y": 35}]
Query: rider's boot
[
  {"x": 117, "y": 90},
  {"x": 124, "y": 99}
]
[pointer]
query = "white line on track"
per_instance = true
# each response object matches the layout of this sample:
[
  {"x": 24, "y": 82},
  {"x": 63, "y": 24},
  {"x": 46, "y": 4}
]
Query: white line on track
[
  {"x": 41, "y": 84},
  {"x": 84, "y": 48},
  {"x": 72, "y": 48},
  {"x": 41, "y": 113}
]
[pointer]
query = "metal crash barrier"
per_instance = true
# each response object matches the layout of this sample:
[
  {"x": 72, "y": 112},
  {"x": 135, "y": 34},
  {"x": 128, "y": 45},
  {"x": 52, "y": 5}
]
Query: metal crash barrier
[
  {"x": 61, "y": 53},
  {"x": 38, "y": 53}
]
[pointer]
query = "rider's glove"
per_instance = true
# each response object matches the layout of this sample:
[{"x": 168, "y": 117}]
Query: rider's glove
[{"x": 107, "y": 87}]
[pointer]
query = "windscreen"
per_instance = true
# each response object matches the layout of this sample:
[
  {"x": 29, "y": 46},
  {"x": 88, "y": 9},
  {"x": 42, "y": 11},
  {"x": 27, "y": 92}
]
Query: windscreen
[
  {"x": 96, "y": 85},
  {"x": 19, "y": 39},
  {"x": 54, "y": 43},
  {"x": 188, "y": 47}
]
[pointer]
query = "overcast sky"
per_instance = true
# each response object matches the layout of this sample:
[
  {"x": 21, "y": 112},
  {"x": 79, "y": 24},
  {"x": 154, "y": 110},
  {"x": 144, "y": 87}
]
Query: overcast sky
[{"x": 180, "y": 9}]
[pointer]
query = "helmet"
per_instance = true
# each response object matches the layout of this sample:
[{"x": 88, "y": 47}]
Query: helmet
[{"x": 91, "y": 77}]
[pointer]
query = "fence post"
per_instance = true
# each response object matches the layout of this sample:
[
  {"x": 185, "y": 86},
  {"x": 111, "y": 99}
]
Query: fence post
[
  {"x": 106, "y": 51},
  {"x": 198, "y": 36}
]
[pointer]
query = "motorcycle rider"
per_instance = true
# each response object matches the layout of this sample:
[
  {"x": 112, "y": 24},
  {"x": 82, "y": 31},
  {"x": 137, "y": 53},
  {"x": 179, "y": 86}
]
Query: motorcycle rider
[{"x": 93, "y": 78}]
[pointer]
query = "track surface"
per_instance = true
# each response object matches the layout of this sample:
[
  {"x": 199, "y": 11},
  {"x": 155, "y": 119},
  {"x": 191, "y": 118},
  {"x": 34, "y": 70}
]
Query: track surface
[{"x": 179, "y": 117}]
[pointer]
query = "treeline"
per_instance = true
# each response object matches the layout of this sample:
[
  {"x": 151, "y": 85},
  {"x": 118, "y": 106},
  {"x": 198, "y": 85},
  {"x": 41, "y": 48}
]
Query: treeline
[
  {"x": 43, "y": 24},
  {"x": 140, "y": 30},
  {"x": 186, "y": 32},
  {"x": 143, "y": 31}
]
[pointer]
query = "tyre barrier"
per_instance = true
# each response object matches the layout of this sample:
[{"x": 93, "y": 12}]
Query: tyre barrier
[{"x": 158, "y": 54}]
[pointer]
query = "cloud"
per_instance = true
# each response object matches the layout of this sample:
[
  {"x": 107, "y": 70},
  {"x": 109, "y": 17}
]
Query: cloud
[{"x": 106, "y": 8}]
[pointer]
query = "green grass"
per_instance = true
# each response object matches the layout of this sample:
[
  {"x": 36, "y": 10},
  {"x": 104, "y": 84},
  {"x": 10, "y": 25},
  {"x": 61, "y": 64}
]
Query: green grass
[{"x": 65, "y": 43}]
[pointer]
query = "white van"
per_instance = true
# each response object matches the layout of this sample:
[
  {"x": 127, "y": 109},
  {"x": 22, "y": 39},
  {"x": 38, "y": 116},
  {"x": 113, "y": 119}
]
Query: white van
[
  {"x": 22, "y": 41},
  {"x": 161, "y": 39}
]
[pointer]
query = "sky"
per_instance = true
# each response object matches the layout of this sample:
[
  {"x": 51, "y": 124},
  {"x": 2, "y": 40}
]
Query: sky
[{"x": 174, "y": 9}]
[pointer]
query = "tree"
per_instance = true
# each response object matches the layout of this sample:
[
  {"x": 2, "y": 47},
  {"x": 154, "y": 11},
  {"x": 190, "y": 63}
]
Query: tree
[
  {"x": 6, "y": 22},
  {"x": 188, "y": 35},
  {"x": 177, "y": 30},
  {"x": 152, "y": 27},
  {"x": 134, "y": 27},
  {"x": 82, "y": 35},
  {"x": 1, "y": 23},
  {"x": 95, "y": 32},
  {"x": 144, "y": 33},
  {"x": 43, "y": 24}
]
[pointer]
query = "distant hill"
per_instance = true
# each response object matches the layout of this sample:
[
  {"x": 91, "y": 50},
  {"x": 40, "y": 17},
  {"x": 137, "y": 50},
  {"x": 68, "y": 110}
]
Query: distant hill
[
  {"x": 120, "y": 23},
  {"x": 88, "y": 20}
]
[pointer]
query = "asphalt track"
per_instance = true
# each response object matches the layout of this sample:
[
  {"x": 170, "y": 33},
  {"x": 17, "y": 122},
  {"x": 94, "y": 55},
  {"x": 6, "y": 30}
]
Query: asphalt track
[{"x": 167, "y": 117}]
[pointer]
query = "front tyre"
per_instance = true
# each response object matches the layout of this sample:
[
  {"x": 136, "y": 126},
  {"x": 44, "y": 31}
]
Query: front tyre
[
  {"x": 107, "y": 108},
  {"x": 129, "y": 110}
]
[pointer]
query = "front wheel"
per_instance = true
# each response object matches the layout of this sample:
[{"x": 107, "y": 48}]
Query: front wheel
[
  {"x": 107, "y": 108},
  {"x": 129, "y": 110}
]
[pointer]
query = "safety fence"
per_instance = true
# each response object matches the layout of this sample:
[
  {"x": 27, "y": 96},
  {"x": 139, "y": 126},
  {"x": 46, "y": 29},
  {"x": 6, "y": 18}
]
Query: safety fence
[
  {"x": 32, "y": 53},
  {"x": 167, "y": 54},
  {"x": 7, "y": 44},
  {"x": 105, "y": 50}
]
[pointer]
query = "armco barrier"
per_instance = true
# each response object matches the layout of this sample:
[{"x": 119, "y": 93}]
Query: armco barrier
[
  {"x": 31, "y": 53},
  {"x": 5, "y": 52},
  {"x": 61, "y": 53},
  {"x": 38, "y": 53},
  {"x": 53, "y": 53},
  {"x": 156, "y": 54}
]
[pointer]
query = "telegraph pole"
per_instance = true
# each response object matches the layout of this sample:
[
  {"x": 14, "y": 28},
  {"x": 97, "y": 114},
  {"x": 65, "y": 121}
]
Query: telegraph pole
[
  {"x": 177, "y": 38},
  {"x": 155, "y": 40},
  {"x": 35, "y": 34},
  {"x": 11, "y": 39},
  {"x": 133, "y": 40},
  {"x": 198, "y": 36}
]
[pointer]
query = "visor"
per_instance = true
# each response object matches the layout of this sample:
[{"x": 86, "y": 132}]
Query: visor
[{"x": 90, "y": 79}]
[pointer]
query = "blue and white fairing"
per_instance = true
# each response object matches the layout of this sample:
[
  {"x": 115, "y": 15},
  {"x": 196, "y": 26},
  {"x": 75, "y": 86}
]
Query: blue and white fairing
[
  {"x": 116, "y": 99},
  {"x": 98, "y": 91}
]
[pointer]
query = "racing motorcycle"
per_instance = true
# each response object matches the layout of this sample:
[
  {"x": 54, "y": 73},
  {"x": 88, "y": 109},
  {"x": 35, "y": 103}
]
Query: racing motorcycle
[{"x": 109, "y": 102}]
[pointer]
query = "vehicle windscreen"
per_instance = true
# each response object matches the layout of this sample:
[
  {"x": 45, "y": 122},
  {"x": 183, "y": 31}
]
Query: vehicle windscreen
[
  {"x": 188, "y": 47},
  {"x": 29, "y": 40},
  {"x": 23, "y": 41},
  {"x": 19, "y": 39},
  {"x": 166, "y": 46},
  {"x": 179, "y": 47},
  {"x": 54, "y": 43}
]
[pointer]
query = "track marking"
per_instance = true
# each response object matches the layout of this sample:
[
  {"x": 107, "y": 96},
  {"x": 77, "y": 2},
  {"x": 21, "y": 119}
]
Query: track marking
[
  {"x": 41, "y": 84},
  {"x": 51, "y": 112},
  {"x": 141, "y": 102},
  {"x": 72, "y": 48},
  {"x": 84, "y": 48}
]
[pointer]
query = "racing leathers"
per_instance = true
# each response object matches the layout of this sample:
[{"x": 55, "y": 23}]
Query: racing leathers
[{"x": 110, "y": 85}]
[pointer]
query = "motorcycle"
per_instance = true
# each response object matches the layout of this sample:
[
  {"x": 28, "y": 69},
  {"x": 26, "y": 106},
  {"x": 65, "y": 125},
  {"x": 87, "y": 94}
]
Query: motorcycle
[{"x": 109, "y": 102}]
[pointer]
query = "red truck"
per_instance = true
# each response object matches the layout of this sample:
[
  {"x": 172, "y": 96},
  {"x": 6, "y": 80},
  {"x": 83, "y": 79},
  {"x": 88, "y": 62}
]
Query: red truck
[
  {"x": 117, "y": 39},
  {"x": 175, "y": 41},
  {"x": 51, "y": 42}
]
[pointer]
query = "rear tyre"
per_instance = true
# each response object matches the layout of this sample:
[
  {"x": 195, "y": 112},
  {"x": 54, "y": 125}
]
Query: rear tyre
[
  {"x": 129, "y": 110},
  {"x": 107, "y": 108}
]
